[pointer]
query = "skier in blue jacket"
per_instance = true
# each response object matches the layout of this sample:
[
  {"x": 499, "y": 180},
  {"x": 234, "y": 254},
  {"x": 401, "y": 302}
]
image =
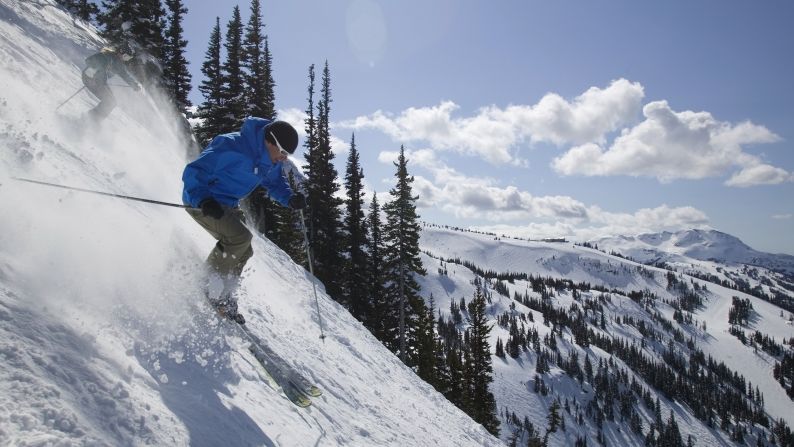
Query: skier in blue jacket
[{"x": 230, "y": 168}]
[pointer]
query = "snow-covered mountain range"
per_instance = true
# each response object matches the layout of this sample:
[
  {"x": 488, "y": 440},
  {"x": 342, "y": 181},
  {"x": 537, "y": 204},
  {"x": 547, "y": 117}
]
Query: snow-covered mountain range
[{"x": 703, "y": 245}]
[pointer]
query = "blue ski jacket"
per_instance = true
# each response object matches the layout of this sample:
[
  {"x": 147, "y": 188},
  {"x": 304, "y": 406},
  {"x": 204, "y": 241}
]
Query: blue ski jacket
[{"x": 232, "y": 166}]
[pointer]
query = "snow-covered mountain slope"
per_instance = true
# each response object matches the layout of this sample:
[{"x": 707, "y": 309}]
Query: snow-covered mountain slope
[
  {"x": 451, "y": 258},
  {"x": 103, "y": 337},
  {"x": 704, "y": 245}
]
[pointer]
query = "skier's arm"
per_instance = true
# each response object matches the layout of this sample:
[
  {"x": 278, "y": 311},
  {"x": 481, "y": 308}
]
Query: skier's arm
[
  {"x": 198, "y": 173},
  {"x": 196, "y": 180},
  {"x": 278, "y": 188}
]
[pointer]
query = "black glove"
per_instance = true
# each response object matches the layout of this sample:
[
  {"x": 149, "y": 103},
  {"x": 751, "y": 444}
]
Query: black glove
[
  {"x": 297, "y": 201},
  {"x": 210, "y": 207}
]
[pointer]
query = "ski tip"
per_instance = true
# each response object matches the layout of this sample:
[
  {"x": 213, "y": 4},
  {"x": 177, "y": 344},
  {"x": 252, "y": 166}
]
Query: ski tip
[
  {"x": 300, "y": 401},
  {"x": 313, "y": 391}
]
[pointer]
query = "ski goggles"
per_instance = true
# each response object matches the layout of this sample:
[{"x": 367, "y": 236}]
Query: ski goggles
[{"x": 281, "y": 150}]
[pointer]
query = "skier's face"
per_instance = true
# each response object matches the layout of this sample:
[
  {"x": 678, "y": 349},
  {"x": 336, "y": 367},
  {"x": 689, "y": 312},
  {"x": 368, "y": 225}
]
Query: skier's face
[{"x": 275, "y": 152}]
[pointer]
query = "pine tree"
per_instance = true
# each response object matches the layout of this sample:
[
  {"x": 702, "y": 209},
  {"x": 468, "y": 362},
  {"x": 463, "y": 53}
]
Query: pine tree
[
  {"x": 289, "y": 230},
  {"x": 375, "y": 270},
  {"x": 457, "y": 391},
  {"x": 402, "y": 263},
  {"x": 82, "y": 9},
  {"x": 553, "y": 417},
  {"x": 426, "y": 363},
  {"x": 322, "y": 186},
  {"x": 212, "y": 89},
  {"x": 670, "y": 435},
  {"x": 233, "y": 105},
  {"x": 140, "y": 22},
  {"x": 354, "y": 282},
  {"x": 442, "y": 373},
  {"x": 259, "y": 84},
  {"x": 267, "y": 217},
  {"x": 484, "y": 403},
  {"x": 310, "y": 122},
  {"x": 175, "y": 72}
]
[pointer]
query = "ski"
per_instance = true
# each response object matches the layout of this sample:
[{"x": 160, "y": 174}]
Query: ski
[
  {"x": 281, "y": 371},
  {"x": 290, "y": 391},
  {"x": 278, "y": 374}
]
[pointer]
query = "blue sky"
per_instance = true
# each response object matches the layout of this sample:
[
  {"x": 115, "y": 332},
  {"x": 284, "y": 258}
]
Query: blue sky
[{"x": 555, "y": 118}]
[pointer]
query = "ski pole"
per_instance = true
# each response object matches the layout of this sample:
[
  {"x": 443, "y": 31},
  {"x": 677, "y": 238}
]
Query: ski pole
[
  {"x": 69, "y": 98},
  {"x": 311, "y": 270},
  {"x": 72, "y": 188}
]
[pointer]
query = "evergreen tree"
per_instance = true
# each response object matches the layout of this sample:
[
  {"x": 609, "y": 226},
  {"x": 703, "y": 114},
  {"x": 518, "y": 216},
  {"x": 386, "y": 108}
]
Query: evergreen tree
[
  {"x": 267, "y": 217},
  {"x": 427, "y": 361},
  {"x": 212, "y": 89},
  {"x": 82, "y": 9},
  {"x": 310, "y": 121},
  {"x": 257, "y": 61},
  {"x": 175, "y": 72},
  {"x": 401, "y": 231},
  {"x": 233, "y": 94},
  {"x": 455, "y": 366},
  {"x": 321, "y": 184},
  {"x": 670, "y": 434},
  {"x": 483, "y": 401},
  {"x": 442, "y": 374},
  {"x": 355, "y": 269},
  {"x": 289, "y": 230},
  {"x": 377, "y": 297},
  {"x": 140, "y": 22},
  {"x": 553, "y": 417},
  {"x": 426, "y": 344}
]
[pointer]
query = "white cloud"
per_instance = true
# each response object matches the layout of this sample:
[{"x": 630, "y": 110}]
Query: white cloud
[
  {"x": 760, "y": 174},
  {"x": 482, "y": 198},
  {"x": 295, "y": 117},
  {"x": 647, "y": 220},
  {"x": 671, "y": 145},
  {"x": 783, "y": 216},
  {"x": 493, "y": 132}
]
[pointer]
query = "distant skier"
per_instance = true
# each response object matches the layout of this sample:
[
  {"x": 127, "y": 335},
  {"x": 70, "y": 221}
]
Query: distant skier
[
  {"x": 101, "y": 66},
  {"x": 230, "y": 168}
]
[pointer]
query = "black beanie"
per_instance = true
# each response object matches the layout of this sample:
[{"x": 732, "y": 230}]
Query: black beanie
[{"x": 285, "y": 135}]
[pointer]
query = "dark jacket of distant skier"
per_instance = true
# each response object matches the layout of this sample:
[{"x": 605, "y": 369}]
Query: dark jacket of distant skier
[
  {"x": 232, "y": 166},
  {"x": 101, "y": 66}
]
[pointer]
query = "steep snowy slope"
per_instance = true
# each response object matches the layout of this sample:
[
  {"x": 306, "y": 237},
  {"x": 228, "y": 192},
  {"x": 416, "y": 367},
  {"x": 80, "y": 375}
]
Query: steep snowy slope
[
  {"x": 103, "y": 339},
  {"x": 450, "y": 280}
]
